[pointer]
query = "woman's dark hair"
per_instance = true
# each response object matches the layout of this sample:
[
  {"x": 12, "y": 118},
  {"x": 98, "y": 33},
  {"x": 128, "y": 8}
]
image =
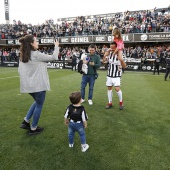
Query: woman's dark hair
[
  {"x": 75, "y": 97},
  {"x": 26, "y": 47}
]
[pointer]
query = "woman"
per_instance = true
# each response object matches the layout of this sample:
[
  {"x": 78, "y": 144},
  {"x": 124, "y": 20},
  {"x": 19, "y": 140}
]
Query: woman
[{"x": 34, "y": 79}]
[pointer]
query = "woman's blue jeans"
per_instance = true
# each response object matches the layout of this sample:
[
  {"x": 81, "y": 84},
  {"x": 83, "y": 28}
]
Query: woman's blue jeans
[
  {"x": 36, "y": 107},
  {"x": 87, "y": 79},
  {"x": 76, "y": 127}
]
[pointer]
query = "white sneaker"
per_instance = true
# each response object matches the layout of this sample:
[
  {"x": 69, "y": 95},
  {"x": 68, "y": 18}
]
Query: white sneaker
[
  {"x": 84, "y": 148},
  {"x": 82, "y": 100},
  {"x": 71, "y": 145},
  {"x": 90, "y": 102}
]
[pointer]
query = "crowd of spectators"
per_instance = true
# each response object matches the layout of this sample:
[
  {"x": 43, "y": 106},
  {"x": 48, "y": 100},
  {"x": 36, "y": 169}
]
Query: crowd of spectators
[
  {"x": 8, "y": 54},
  {"x": 143, "y": 21},
  {"x": 136, "y": 52}
]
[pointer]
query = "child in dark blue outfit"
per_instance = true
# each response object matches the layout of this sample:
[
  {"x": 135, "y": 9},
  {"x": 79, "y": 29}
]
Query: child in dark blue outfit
[{"x": 76, "y": 119}]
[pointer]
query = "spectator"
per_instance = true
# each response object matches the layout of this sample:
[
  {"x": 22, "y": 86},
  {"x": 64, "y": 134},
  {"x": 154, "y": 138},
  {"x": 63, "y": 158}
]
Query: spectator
[{"x": 132, "y": 22}]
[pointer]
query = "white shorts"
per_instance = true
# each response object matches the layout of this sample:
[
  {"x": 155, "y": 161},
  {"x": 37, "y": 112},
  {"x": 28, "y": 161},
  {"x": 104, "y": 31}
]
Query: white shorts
[{"x": 113, "y": 81}]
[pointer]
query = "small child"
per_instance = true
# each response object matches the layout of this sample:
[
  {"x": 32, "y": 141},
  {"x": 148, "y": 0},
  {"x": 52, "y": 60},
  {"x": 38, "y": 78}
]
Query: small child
[
  {"x": 76, "y": 119},
  {"x": 85, "y": 59},
  {"x": 118, "y": 39}
]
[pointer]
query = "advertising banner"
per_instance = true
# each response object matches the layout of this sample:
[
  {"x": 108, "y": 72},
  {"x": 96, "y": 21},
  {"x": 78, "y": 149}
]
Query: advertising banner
[
  {"x": 10, "y": 64},
  {"x": 64, "y": 40},
  {"x": 81, "y": 40},
  {"x": 86, "y": 39},
  {"x": 60, "y": 64},
  {"x": 152, "y": 37},
  {"x": 56, "y": 64},
  {"x": 13, "y": 42},
  {"x": 89, "y": 39},
  {"x": 3, "y": 42},
  {"x": 46, "y": 41}
]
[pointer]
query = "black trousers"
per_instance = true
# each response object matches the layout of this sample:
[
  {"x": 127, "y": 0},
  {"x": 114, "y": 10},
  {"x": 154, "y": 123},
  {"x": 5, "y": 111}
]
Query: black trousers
[
  {"x": 74, "y": 67},
  {"x": 156, "y": 68},
  {"x": 167, "y": 72}
]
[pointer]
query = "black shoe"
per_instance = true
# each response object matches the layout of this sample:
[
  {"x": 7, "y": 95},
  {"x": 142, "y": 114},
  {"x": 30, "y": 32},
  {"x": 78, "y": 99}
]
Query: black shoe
[
  {"x": 109, "y": 105},
  {"x": 36, "y": 131},
  {"x": 121, "y": 107},
  {"x": 25, "y": 125}
]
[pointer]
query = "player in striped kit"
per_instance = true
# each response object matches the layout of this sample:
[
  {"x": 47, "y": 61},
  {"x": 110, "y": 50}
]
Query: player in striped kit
[{"x": 115, "y": 65}]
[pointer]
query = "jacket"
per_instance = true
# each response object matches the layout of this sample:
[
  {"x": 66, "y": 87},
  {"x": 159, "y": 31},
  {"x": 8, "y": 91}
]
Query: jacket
[
  {"x": 96, "y": 59},
  {"x": 33, "y": 74}
]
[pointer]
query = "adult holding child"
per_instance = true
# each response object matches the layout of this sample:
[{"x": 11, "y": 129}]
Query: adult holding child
[
  {"x": 114, "y": 73},
  {"x": 34, "y": 79},
  {"x": 93, "y": 62}
]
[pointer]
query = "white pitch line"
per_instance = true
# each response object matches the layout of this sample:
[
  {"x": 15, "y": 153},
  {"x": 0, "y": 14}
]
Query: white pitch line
[
  {"x": 8, "y": 77},
  {"x": 18, "y": 76}
]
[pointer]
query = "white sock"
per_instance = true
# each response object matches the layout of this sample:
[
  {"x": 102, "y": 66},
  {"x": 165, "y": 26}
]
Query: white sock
[
  {"x": 109, "y": 94},
  {"x": 119, "y": 93},
  {"x": 33, "y": 128},
  {"x": 26, "y": 120},
  {"x": 83, "y": 145}
]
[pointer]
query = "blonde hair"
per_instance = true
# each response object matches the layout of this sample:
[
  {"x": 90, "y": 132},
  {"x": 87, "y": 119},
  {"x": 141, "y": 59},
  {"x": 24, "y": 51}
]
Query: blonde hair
[{"x": 115, "y": 32}]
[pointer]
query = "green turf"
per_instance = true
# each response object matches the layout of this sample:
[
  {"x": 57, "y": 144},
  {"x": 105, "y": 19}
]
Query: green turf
[{"x": 136, "y": 138}]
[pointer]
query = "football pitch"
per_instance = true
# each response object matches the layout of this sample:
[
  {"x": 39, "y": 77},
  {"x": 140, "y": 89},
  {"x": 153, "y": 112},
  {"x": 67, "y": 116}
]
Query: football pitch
[{"x": 135, "y": 138}]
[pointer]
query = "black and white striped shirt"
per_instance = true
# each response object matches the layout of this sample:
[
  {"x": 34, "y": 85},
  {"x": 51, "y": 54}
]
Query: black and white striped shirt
[{"x": 114, "y": 66}]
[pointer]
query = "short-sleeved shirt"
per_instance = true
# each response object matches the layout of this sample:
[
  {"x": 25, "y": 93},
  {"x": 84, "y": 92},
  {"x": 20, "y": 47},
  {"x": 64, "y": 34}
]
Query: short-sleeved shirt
[
  {"x": 76, "y": 113},
  {"x": 114, "y": 66}
]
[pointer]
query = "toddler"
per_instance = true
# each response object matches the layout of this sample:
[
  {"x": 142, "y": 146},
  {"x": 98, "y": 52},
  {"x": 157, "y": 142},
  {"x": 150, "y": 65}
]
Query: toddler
[{"x": 76, "y": 119}]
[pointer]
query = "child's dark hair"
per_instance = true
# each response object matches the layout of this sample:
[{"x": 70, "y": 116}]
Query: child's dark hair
[
  {"x": 75, "y": 97},
  {"x": 113, "y": 43}
]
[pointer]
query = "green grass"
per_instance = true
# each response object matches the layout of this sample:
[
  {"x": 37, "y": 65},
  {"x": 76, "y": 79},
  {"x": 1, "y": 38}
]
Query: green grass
[{"x": 136, "y": 138}]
